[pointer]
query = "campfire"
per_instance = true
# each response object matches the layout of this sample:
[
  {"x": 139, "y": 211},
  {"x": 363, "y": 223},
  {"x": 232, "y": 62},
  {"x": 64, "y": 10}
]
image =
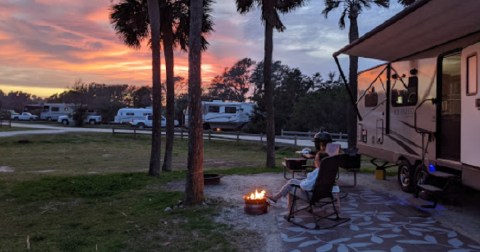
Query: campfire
[{"x": 256, "y": 203}]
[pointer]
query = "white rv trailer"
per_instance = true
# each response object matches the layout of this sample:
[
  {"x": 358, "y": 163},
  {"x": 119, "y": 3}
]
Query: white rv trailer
[
  {"x": 51, "y": 111},
  {"x": 422, "y": 108},
  {"x": 126, "y": 115},
  {"x": 224, "y": 115}
]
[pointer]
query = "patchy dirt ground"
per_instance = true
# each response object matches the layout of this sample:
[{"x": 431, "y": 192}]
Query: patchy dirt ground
[{"x": 462, "y": 217}]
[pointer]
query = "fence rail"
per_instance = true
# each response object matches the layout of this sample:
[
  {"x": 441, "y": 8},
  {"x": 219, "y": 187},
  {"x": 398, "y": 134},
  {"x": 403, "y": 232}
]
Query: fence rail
[
  {"x": 309, "y": 135},
  {"x": 294, "y": 138}
]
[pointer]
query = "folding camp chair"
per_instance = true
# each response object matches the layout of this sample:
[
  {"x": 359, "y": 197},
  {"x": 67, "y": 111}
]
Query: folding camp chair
[{"x": 320, "y": 197}]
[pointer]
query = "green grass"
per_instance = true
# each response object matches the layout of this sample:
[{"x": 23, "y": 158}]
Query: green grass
[
  {"x": 114, "y": 212},
  {"x": 90, "y": 192},
  {"x": 78, "y": 154}
]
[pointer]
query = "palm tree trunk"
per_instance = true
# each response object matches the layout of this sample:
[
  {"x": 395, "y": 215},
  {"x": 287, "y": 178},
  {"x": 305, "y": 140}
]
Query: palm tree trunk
[
  {"x": 352, "y": 76},
  {"x": 267, "y": 79},
  {"x": 194, "y": 186},
  {"x": 167, "y": 32},
  {"x": 154, "y": 15}
]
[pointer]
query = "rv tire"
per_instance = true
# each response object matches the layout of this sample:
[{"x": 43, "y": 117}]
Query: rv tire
[{"x": 406, "y": 176}]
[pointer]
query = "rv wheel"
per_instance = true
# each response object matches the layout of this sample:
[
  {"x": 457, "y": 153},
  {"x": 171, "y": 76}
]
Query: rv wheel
[
  {"x": 65, "y": 122},
  {"x": 141, "y": 125},
  {"x": 406, "y": 176}
]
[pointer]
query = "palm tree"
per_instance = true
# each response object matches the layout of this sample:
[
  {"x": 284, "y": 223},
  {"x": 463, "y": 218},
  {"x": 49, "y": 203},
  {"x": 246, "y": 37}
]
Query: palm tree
[
  {"x": 176, "y": 16},
  {"x": 351, "y": 9},
  {"x": 130, "y": 20},
  {"x": 154, "y": 15},
  {"x": 270, "y": 11},
  {"x": 194, "y": 185}
]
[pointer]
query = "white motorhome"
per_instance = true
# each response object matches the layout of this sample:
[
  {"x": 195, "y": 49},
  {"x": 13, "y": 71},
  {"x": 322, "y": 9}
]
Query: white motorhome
[
  {"x": 225, "y": 115},
  {"x": 421, "y": 109},
  {"x": 126, "y": 115},
  {"x": 51, "y": 111}
]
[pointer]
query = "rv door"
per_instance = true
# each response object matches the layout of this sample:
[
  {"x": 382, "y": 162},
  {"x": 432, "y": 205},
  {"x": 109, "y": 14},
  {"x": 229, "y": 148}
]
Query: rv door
[{"x": 470, "y": 106}]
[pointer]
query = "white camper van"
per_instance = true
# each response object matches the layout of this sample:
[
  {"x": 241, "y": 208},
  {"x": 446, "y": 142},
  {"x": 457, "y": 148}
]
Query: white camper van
[
  {"x": 421, "y": 109},
  {"x": 126, "y": 115},
  {"x": 51, "y": 111},
  {"x": 225, "y": 115}
]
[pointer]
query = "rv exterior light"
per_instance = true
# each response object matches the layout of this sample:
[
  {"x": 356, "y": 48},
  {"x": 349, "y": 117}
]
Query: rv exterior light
[
  {"x": 432, "y": 168},
  {"x": 400, "y": 100}
]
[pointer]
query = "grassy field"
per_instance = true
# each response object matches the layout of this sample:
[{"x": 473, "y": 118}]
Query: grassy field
[{"x": 90, "y": 192}]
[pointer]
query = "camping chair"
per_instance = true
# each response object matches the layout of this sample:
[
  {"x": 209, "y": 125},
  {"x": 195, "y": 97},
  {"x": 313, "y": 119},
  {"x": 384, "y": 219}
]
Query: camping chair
[
  {"x": 332, "y": 149},
  {"x": 299, "y": 165},
  {"x": 319, "y": 197}
]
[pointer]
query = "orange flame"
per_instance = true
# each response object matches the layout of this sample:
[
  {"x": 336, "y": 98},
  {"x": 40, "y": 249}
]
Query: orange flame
[{"x": 256, "y": 195}]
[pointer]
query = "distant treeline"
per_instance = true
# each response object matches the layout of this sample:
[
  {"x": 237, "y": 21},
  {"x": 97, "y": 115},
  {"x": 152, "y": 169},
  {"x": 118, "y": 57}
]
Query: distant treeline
[{"x": 302, "y": 103}]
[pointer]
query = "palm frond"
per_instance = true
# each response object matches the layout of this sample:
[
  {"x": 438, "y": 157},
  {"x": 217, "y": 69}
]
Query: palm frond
[
  {"x": 285, "y": 6},
  {"x": 406, "y": 2},
  {"x": 382, "y": 3},
  {"x": 129, "y": 19},
  {"x": 244, "y": 6},
  {"x": 329, "y": 6},
  {"x": 341, "y": 21}
]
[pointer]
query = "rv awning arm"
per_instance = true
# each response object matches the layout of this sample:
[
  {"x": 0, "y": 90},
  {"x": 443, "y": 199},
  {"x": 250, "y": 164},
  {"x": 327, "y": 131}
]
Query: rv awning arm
[{"x": 352, "y": 99}]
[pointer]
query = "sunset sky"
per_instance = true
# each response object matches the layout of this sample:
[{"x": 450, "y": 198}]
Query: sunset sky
[{"x": 47, "y": 45}]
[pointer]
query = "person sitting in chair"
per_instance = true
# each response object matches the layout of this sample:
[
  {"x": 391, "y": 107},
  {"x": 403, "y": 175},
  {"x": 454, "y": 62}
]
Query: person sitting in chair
[{"x": 306, "y": 184}]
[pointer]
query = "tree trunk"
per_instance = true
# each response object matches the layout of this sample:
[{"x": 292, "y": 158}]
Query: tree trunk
[
  {"x": 194, "y": 185},
  {"x": 167, "y": 32},
  {"x": 154, "y": 15},
  {"x": 268, "y": 87},
  {"x": 352, "y": 76}
]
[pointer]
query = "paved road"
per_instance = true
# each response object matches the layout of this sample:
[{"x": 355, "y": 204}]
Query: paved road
[{"x": 40, "y": 129}]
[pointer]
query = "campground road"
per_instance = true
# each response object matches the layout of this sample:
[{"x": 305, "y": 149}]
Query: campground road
[{"x": 41, "y": 129}]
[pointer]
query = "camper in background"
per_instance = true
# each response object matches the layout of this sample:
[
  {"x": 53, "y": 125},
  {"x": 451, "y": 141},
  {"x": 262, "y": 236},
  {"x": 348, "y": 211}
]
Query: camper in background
[
  {"x": 127, "y": 115},
  {"x": 51, "y": 111},
  {"x": 225, "y": 115}
]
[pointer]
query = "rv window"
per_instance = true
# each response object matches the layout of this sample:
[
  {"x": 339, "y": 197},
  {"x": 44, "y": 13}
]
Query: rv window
[
  {"x": 214, "y": 109},
  {"x": 55, "y": 109},
  {"x": 472, "y": 75},
  {"x": 405, "y": 94},
  {"x": 46, "y": 108},
  {"x": 230, "y": 110},
  {"x": 129, "y": 114},
  {"x": 371, "y": 98}
]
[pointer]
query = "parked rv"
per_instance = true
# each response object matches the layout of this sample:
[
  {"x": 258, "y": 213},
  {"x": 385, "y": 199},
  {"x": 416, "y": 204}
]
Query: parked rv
[
  {"x": 147, "y": 122},
  {"x": 225, "y": 115},
  {"x": 421, "y": 110},
  {"x": 51, "y": 111},
  {"x": 126, "y": 115}
]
